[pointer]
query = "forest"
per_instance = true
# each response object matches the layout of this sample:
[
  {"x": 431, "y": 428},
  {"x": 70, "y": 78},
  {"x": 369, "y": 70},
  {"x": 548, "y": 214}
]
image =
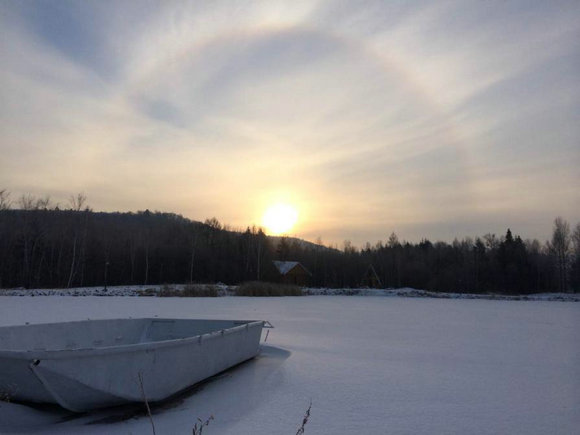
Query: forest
[{"x": 46, "y": 246}]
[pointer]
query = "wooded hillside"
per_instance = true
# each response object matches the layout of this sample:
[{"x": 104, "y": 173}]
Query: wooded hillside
[{"x": 42, "y": 247}]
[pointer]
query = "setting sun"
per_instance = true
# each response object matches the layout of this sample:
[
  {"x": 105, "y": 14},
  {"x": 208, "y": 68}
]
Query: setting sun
[{"x": 280, "y": 218}]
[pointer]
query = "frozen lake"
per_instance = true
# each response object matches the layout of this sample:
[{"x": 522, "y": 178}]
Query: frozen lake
[{"x": 372, "y": 365}]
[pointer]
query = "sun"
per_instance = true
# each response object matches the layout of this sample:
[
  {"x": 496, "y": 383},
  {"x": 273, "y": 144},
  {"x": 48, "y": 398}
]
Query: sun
[{"x": 280, "y": 218}]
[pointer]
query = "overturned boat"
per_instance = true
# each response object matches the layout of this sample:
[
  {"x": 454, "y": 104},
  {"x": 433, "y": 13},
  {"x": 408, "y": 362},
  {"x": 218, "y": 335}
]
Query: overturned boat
[{"x": 99, "y": 363}]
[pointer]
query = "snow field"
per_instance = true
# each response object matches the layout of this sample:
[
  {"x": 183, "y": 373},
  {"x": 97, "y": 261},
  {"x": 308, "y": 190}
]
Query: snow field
[{"x": 370, "y": 365}]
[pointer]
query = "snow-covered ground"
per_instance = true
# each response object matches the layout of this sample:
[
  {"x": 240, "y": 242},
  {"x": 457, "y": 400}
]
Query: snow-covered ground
[
  {"x": 122, "y": 290},
  {"x": 370, "y": 365},
  {"x": 225, "y": 290}
]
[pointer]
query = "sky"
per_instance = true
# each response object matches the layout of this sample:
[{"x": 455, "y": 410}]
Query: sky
[{"x": 430, "y": 119}]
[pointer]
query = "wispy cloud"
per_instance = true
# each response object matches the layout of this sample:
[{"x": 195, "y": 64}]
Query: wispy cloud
[{"x": 431, "y": 119}]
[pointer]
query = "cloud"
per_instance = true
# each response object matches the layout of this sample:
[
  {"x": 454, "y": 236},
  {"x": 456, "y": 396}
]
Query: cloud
[{"x": 371, "y": 117}]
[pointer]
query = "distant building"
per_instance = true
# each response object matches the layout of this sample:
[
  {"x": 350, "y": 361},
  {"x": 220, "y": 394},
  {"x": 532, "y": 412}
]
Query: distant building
[
  {"x": 291, "y": 272},
  {"x": 370, "y": 278}
]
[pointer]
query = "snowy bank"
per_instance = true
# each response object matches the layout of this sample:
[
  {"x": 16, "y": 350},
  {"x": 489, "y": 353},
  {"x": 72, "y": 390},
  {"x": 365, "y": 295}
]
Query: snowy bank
[
  {"x": 414, "y": 293},
  {"x": 221, "y": 289}
]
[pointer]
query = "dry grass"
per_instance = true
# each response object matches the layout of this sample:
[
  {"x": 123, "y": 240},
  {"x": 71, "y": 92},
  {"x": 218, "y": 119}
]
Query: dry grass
[
  {"x": 146, "y": 402},
  {"x": 6, "y": 392},
  {"x": 198, "y": 428},
  {"x": 259, "y": 288},
  {"x": 304, "y": 420},
  {"x": 189, "y": 291}
]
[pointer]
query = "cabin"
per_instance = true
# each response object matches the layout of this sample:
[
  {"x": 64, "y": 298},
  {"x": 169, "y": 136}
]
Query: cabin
[
  {"x": 370, "y": 278},
  {"x": 291, "y": 272}
]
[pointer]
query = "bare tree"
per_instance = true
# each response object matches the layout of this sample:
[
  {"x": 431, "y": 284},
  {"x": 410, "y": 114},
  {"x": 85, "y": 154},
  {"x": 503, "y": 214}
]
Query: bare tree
[
  {"x": 77, "y": 202},
  {"x": 43, "y": 203},
  {"x": 73, "y": 262},
  {"x": 394, "y": 246},
  {"x": 4, "y": 200},
  {"x": 27, "y": 202},
  {"x": 145, "y": 242},
  {"x": 193, "y": 245},
  {"x": 214, "y": 223},
  {"x": 393, "y": 241},
  {"x": 347, "y": 247},
  {"x": 575, "y": 269},
  {"x": 491, "y": 241},
  {"x": 560, "y": 249},
  {"x": 259, "y": 253},
  {"x": 576, "y": 240}
]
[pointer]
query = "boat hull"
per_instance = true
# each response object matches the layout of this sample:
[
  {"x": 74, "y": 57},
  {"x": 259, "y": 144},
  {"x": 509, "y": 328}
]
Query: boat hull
[{"x": 162, "y": 363}]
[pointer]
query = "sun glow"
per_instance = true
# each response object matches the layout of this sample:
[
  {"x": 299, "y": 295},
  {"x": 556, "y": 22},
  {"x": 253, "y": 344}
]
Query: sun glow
[{"x": 280, "y": 218}]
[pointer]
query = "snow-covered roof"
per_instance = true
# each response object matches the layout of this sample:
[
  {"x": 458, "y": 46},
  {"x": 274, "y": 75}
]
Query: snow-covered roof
[{"x": 285, "y": 266}]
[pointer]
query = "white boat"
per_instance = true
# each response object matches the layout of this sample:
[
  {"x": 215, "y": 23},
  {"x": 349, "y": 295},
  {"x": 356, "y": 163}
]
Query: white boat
[{"x": 99, "y": 363}]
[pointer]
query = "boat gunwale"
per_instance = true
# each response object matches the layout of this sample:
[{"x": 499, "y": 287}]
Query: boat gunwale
[{"x": 81, "y": 352}]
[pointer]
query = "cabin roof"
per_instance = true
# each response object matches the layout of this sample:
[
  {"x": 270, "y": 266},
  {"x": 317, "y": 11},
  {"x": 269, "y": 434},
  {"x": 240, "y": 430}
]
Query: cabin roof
[{"x": 286, "y": 266}]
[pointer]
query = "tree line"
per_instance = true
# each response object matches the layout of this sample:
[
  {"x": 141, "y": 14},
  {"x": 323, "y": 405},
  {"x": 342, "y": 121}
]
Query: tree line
[{"x": 43, "y": 245}]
